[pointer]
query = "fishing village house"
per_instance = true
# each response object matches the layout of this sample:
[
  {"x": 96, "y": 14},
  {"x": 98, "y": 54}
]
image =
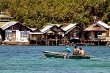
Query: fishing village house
[
  {"x": 57, "y": 34},
  {"x": 52, "y": 34},
  {"x": 15, "y": 33},
  {"x": 12, "y": 32},
  {"x": 74, "y": 34},
  {"x": 35, "y": 37},
  {"x": 98, "y": 33}
]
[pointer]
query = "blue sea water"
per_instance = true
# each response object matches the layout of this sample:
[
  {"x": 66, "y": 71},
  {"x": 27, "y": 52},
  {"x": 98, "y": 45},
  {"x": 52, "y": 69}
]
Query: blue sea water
[{"x": 29, "y": 59}]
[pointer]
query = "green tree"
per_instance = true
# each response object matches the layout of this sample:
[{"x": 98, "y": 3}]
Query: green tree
[{"x": 37, "y": 13}]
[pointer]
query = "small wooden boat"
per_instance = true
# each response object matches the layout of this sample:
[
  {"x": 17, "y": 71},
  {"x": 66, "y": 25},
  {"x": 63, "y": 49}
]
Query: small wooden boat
[{"x": 50, "y": 54}]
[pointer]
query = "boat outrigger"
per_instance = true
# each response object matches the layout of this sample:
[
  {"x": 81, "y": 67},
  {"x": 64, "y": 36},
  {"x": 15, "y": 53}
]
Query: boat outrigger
[{"x": 50, "y": 54}]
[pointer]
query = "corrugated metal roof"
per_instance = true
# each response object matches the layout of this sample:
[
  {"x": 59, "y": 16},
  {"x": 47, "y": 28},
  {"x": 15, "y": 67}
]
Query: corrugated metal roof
[
  {"x": 8, "y": 24},
  {"x": 46, "y": 28},
  {"x": 95, "y": 27},
  {"x": 68, "y": 27},
  {"x": 103, "y": 24},
  {"x": 34, "y": 29},
  {"x": 35, "y": 33}
]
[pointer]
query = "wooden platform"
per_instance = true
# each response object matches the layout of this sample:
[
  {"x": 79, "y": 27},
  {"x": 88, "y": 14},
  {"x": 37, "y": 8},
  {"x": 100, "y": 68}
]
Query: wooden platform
[{"x": 15, "y": 42}]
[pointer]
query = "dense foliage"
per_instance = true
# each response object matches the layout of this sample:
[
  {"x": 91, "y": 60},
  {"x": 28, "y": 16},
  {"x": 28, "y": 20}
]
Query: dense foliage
[{"x": 37, "y": 13}]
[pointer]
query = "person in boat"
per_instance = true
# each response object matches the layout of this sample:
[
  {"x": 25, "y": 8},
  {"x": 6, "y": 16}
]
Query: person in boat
[
  {"x": 81, "y": 52},
  {"x": 67, "y": 50},
  {"x": 76, "y": 50}
]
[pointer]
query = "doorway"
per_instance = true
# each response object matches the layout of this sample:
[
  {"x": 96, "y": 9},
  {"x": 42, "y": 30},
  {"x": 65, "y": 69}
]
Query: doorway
[{"x": 14, "y": 35}]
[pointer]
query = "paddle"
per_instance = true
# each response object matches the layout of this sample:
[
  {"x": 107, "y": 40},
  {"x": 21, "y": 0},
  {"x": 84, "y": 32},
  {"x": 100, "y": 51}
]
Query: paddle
[
  {"x": 64, "y": 56},
  {"x": 91, "y": 54},
  {"x": 41, "y": 56}
]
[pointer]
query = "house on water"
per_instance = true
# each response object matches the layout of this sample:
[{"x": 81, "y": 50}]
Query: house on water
[
  {"x": 74, "y": 34},
  {"x": 12, "y": 32},
  {"x": 52, "y": 34},
  {"x": 98, "y": 33},
  {"x": 35, "y": 37}
]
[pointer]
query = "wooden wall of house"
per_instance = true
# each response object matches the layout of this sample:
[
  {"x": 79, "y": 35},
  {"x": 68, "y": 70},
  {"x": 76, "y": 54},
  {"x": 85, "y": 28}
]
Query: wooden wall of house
[
  {"x": 92, "y": 35},
  {"x": 89, "y": 35},
  {"x": 19, "y": 27},
  {"x": 56, "y": 29},
  {"x": 0, "y": 34},
  {"x": 57, "y": 32},
  {"x": 109, "y": 32},
  {"x": 75, "y": 33},
  {"x": 16, "y": 32},
  {"x": 1, "y": 37},
  {"x": 35, "y": 37},
  {"x": 32, "y": 37}
]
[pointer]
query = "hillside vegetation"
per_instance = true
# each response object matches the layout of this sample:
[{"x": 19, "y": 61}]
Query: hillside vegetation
[{"x": 37, "y": 13}]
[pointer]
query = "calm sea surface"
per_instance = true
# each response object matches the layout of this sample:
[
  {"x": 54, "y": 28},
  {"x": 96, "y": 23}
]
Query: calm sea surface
[{"x": 29, "y": 59}]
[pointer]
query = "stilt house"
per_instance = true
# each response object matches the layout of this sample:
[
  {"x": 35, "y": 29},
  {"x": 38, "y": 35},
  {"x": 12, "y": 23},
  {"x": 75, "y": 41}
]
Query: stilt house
[
  {"x": 73, "y": 33},
  {"x": 52, "y": 34},
  {"x": 12, "y": 32}
]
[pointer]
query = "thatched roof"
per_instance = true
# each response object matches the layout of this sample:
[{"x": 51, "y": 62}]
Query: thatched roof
[{"x": 95, "y": 27}]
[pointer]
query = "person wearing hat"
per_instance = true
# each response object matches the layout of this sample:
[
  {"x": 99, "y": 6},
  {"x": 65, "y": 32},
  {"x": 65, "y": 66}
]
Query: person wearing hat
[
  {"x": 76, "y": 50},
  {"x": 81, "y": 52}
]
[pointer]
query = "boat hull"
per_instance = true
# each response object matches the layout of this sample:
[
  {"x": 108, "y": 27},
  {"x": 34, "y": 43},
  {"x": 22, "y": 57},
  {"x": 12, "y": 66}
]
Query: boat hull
[{"x": 61, "y": 55}]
